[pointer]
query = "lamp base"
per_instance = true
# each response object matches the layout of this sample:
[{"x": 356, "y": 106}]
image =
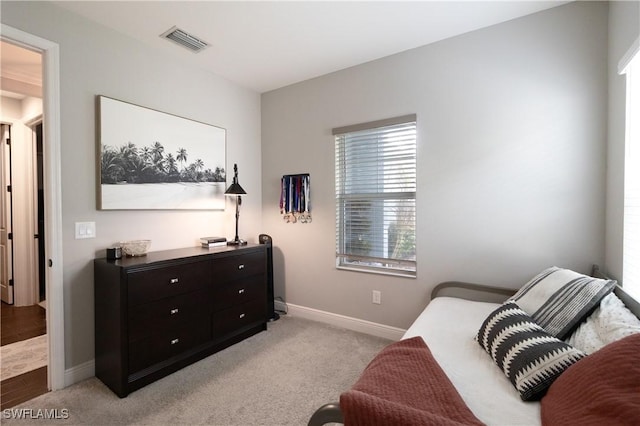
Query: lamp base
[{"x": 237, "y": 242}]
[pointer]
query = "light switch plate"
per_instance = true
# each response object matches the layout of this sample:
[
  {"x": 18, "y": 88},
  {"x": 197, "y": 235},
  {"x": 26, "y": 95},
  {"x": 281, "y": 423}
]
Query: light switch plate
[{"x": 85, "y": 230}]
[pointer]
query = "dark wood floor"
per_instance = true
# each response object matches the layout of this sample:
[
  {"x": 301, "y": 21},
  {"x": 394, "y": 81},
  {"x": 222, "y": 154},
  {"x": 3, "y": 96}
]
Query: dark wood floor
[
  {"x": 16, "y": 324},
  {"x": 21, "y": 323},
  {"x": 23, "y": 388}
]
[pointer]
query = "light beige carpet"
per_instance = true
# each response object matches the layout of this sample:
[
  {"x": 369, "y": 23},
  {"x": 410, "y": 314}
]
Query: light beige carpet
[
  {"x": 22, "y": 357},
  {"x": 277, "y": 377}
]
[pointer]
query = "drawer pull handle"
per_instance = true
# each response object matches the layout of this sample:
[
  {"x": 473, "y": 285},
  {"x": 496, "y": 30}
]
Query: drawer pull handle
[
  {"x": 174, "y": 311},
  {"x": 173, "y": 281},
  {"x": 240, "y": 266},
  {"x": 241, "y": 316},
  {"x": 174, "y": 341},
  {"x": 241, "y": 291}
]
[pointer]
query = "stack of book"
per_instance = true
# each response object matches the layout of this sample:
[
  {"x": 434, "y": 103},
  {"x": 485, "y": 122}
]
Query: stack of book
[{"x": 209, "y": 242}]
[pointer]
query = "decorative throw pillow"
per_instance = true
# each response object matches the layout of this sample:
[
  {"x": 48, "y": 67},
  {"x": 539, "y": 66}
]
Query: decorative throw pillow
[
  {"x": 528, "y": 356},
  {"x": 559, "y": 299},
  {"x": 610, "y": 322}
]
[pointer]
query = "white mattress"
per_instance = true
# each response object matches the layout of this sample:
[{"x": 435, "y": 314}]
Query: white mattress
[{"x": 448, "y": 326}]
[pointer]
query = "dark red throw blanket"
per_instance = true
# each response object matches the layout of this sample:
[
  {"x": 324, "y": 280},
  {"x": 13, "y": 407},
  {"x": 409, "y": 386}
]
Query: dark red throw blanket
[
  {"x": 600, "y": 389},
  {"x": 404, "y": 385}
]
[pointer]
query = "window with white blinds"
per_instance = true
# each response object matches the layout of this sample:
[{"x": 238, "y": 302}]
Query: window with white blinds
[
  {"x": 376, "y": 196},
  {"x": 631, "y": 239}
]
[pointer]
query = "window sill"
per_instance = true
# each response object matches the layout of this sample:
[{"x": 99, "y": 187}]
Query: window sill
[{"x": 377, "y": 271}]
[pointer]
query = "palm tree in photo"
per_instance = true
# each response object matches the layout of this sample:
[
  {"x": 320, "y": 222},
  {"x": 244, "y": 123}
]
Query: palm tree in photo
[
  {"x": 128, "y": 157},
  {"x": 182, "y": 156},
  {"x": 146, "y": 154},
  {"x": 198, "y": 165},
  {"x": 141, "y": 171},
  {"x": 219, "y": 175},
  {"x": 111, "y": 170},
  {"x": 171, "y": 169},
  {"x": 128, "y": 152},
  {"x": 189, "y": 174},
  {"x": 158, "y": 151}
]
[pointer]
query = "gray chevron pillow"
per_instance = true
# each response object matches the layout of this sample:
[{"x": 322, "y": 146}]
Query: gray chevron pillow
[{"x": 530, "y": 357}]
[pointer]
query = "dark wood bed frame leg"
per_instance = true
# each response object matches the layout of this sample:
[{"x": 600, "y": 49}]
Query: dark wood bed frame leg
[{"x": 328, "y": 413}]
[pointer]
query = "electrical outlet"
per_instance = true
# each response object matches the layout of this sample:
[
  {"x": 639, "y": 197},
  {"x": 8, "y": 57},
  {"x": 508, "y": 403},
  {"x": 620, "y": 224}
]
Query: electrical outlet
[{"x": 377, "y": 297}]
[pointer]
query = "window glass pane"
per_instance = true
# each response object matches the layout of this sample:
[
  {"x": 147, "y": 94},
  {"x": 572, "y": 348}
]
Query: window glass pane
[
  {"x": 375, "y": 198},
  {"x": 631, "y": 240}
]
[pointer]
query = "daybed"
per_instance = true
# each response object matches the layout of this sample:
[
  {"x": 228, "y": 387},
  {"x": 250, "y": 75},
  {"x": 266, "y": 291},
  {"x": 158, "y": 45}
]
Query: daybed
[{"x": 599, "y": 366}]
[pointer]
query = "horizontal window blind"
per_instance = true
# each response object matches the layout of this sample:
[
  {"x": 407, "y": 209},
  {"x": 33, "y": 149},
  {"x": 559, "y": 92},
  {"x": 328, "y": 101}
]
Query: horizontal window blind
[{"x": 376, "y": 196}]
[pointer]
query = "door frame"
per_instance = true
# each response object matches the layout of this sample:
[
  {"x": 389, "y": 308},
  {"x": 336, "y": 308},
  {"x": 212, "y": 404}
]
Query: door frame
[{"x": 52, "y": 195}]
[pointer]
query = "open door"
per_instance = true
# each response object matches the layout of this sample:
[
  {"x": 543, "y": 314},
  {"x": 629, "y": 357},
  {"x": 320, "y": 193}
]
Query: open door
[
  {"x": 6, "y": 243},
  {"x": 40, "y": 234}
]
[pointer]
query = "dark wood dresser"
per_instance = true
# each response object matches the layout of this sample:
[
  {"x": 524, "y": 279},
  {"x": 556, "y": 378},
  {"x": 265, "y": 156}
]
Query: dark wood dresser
[{"x": 157, "y": 313}]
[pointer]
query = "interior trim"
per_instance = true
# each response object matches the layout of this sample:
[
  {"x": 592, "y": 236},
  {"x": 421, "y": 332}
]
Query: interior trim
[
  {"x": 53, "y": 196},
  {"x": 374, "y": 124},
  {"x": 628, "y": 56},
  {"x": 350, "y": 323}
]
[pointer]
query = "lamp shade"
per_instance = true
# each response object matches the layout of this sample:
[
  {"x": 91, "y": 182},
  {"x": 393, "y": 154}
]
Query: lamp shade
[{"x": 235, "y": 188}]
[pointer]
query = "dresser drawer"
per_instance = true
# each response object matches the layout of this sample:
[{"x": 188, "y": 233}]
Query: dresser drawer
[
  {"x": 238, "y": 292},
  {"x": 146, "y": 319},
  {"x": 236, "y": 317},
  {"x": 240, "y": 266},
  {"x": 167, "y": 343},
  {"x": 155, "y": 284}
]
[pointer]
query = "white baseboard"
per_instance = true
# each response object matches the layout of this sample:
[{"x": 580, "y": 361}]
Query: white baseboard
[
  {"x": 79, "y": 373},
  {"x": 350, "y": 323}
]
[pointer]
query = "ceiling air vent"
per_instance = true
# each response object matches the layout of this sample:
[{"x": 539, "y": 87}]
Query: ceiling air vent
[{"x": 184, "y": 39}]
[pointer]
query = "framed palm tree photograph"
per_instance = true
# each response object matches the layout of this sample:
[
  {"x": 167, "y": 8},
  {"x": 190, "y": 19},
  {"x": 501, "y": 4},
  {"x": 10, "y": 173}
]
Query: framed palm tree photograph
[{"x": 152, "y": 160}]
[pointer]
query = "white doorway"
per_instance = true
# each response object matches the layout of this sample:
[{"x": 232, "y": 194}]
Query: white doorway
[
  {"x": 52, "y": 196},
  {"x": 22, "y": 177}
]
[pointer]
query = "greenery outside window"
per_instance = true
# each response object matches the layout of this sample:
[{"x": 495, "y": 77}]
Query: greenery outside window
[{"x": 376, "y": 178}]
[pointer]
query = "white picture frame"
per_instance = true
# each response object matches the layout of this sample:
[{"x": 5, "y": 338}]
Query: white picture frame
[{"x": 152, "y": 160}]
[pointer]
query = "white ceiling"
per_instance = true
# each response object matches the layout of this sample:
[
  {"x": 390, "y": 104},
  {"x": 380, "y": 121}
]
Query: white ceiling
[
  {"x": 20, "y": 71},
  {"x": 266, "y": 45}
]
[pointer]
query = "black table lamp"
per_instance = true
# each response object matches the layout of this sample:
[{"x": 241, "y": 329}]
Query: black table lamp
[{"x": 236, "y": 190}]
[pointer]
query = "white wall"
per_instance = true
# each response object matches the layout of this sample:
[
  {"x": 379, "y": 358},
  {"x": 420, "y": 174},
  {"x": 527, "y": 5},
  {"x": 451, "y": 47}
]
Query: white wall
[
  {"x": 511, "y": 145},
  {"x": 624, "y": 28},
  {"x": 20, "y": 114},
  {"x": 97, "y": 61}
]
